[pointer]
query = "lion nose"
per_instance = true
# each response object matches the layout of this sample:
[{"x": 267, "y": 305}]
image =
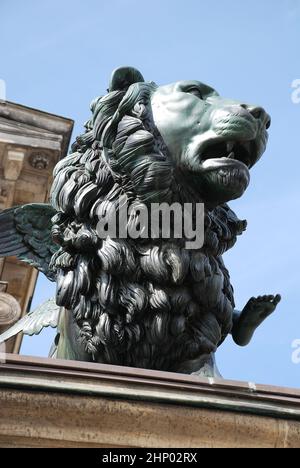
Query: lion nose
[{"x": 259, "y": 114}]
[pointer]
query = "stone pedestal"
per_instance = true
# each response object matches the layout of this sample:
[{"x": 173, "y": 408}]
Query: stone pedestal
[{"x": 48, "y": 403}]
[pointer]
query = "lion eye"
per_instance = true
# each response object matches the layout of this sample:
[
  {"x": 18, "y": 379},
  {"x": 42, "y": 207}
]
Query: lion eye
[{"x": 195, "y": 91}]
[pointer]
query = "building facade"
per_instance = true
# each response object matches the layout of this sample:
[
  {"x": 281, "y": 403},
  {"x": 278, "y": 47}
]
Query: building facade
[{"x": 31, "y": 143}]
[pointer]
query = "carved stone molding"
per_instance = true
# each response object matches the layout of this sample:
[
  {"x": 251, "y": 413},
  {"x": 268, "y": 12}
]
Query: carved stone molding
[
  {"x": 13, "y": 164},
  {"x": 39, "y": 161},
  {"x": 3, "y": 196},
  {"x": 3, "y": 286},
  {"x": 10, "y": 310},
  {"x": 56, "y": 403},
  {"x": 34, "y": 128}
]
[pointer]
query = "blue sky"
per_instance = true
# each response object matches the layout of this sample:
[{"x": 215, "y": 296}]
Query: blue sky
[{"x": 56, "y": 55}]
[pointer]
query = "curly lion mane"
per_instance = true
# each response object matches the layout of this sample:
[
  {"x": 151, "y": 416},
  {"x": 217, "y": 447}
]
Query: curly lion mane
[{"x": 143, "y": 303}]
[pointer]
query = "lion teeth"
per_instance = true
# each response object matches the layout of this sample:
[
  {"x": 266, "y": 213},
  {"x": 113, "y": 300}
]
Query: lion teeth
[{"x": 231, "y": 155}]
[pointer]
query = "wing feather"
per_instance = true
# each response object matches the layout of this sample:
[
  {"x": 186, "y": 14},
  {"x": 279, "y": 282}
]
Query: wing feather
[
  {"x": 45, "y": 315},
  {"x": 25, "y": 231}
]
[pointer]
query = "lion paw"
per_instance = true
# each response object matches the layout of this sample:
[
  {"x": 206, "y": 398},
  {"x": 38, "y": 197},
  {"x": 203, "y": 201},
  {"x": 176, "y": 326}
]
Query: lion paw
[
  {"x": 259, "y": 308},
  {"x": 254, "y": 313}
]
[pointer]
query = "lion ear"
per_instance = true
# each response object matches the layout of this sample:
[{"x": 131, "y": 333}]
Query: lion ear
[{"x": 123, "y": 77}]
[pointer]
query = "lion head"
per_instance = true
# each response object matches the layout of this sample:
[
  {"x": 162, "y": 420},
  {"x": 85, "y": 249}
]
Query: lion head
[
  {"x": 211, "y": 140},
  {"x": 152, "y": 303}
]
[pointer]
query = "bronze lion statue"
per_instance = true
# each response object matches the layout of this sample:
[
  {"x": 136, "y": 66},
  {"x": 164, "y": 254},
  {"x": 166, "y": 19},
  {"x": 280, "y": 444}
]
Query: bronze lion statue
[{"x": 145, "y": 302}]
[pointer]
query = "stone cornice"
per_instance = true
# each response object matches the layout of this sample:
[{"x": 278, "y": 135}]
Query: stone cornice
[
  {"x": 26, "y": 123},
  {"x": 64, "y": 403}
]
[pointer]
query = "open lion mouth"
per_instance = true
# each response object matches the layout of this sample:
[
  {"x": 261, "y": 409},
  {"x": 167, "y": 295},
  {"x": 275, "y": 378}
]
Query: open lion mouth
[
  {"x": 225, "y": 167},
  {"x": 243, "y": 152}
]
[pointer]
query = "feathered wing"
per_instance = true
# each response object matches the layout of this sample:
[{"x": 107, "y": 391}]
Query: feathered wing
[
  {"x": 25, "y": 231},
  {"x": 45, "y": 315}
]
